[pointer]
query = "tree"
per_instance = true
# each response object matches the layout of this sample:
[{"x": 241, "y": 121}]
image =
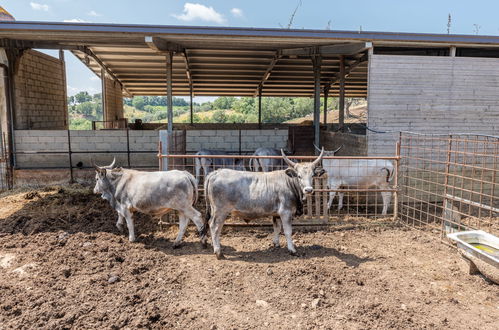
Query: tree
[
  {"x": 179, "y": 102},
  {"x": 83, "y": 97},
  {"x": 139, "y": 102},
  {"x": 85, "y": 108},
  {"x": 219, "y": 116},
  {"x": 97, "y": 97},
  {"x": 224, "y": 102}
]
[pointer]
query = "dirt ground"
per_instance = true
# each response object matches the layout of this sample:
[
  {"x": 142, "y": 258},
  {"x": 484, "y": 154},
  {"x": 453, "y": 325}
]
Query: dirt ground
[{"x": 64, "y": 265}]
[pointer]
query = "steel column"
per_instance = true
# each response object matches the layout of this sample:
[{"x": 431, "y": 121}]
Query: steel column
[
  {"x": 260, "y": 107},
  {"x": 191, "y": 105},
  {"x": 169, "y": 98},
  {"x": 341, "y": 116},
  {"x": 316, "y": 61},
  {"x": 326, "y": 92},
  {"x": 104, "y": 96}
]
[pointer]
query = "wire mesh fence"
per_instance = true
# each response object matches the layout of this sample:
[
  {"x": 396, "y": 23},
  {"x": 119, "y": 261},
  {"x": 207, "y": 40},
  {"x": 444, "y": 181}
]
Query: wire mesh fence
[
  {"x": 351, "y": 186},
  {"x": 449, "y": 182}
]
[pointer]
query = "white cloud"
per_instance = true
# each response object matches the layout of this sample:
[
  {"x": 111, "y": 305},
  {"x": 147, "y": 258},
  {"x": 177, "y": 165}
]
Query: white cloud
[
  {"x": 75, "y": 20},
  {"x": 194, "y": 11},
  {"x": 93, "y": 13},
  {"x": 94, "y": 78},
  {"x": 39, "y": 6},
  {"x": 237, "y": 12}
]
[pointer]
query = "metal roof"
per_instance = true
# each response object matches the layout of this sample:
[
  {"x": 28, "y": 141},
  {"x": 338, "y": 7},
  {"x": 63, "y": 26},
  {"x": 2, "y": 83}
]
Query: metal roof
[{"x": 219, "y": 60}]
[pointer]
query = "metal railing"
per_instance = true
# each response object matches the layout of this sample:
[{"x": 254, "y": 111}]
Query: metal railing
[
  {"x": 449, "y": 183},
  {"x": 358, "y": 201},
  {"x": 110, "y": 124}
]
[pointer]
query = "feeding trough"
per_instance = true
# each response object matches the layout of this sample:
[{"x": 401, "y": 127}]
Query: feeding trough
[{"x": 481, "y": 249}]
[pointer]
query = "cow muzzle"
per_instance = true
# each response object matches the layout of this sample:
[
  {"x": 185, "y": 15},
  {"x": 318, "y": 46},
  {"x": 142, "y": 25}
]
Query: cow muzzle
[{"x": 308, "y": 190}]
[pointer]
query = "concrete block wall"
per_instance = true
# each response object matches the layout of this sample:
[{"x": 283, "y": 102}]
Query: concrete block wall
[
  {"x": 105, "y": 141},
  {"x": 228, "y": 140},
  {"x": 40, "y": 92}
]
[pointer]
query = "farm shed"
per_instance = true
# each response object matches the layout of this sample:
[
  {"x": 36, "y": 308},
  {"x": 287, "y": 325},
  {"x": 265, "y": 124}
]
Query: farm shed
[{"x": 418, "y": 82}]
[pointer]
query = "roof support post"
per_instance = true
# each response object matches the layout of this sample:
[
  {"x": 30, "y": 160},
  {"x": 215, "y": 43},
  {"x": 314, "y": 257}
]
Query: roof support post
[
  {"x": 326, "y": 92},
  {"x": 341, "y": 115},
  {"x": 316, "y": 62},
  {"x": 65, "y": 88},
  {"x": 260, "y": 107},
  {"x": 191, "y": 105},
  {"x": 105, "y": 113},
  {"x": 169, "y": 99}
]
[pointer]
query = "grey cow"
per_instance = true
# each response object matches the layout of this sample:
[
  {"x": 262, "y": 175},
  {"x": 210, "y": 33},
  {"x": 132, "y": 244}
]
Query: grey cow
[
  {"x": 155, "y": 193},
  {"x": 209, "y": 164},
  {"x": 257, "y": 194},
  {"x": 266, "y": 164}
]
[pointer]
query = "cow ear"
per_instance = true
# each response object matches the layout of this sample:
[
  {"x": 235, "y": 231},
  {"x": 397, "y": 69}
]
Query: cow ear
[
  {"x": 291, "y": 172},
  {"x": 319, "y": 171}
]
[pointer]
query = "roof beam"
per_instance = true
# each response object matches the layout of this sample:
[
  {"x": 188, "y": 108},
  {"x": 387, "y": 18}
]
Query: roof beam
[
  {"x": 348, "y": 70},
  {"x": 342, "y": 49},
  {"x": 162, "y": 46},
  {"x": 266, "y": 76}
]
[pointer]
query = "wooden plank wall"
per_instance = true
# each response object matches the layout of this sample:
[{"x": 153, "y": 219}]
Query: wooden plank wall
[{"x": 430, "y": 94}]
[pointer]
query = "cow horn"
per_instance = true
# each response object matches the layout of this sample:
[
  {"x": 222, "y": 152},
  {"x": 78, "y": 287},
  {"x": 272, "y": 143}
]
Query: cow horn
[
  {"x": 113, "y": 163},
  {"x": 94, "y": 165},
  {"x": 287, "y": 160},
  {"x": 315, "y": 162},
  {"x": 316, "y": 147},
  {"x": 335, "y": 151}
]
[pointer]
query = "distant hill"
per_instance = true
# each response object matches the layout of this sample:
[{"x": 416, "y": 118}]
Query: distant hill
[{"x": 359, "y": 115}]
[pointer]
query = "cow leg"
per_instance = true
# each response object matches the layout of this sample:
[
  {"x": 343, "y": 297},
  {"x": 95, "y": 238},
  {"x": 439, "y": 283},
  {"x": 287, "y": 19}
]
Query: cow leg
[
  {"x": 129, "y": 223},
  {"x": 182, "y": 226},
  {"x": 216, "y": 224},
  {"x": 195, "y": 216},
  {"x": 387, "y": 197},
  {"x": 332, "y": 194},
  {"x": 120, "y": 222},
  {"x": 286, "y": 225},
  {"x": 276, "y": 222},
  {"x": 340, "y": 200}
]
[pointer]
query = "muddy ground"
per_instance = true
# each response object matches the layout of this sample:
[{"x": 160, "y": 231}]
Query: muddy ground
[{"x": 64, "y": 265}]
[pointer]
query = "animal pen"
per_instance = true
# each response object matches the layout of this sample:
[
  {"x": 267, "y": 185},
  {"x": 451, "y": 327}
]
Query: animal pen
[{"x": 412, "y": 82}]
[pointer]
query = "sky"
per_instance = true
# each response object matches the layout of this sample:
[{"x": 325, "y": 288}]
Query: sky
[{"x": 468, "y": 17}]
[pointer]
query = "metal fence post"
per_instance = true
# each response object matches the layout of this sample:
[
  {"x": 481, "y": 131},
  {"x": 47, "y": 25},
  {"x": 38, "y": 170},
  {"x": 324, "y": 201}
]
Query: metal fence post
[
  {"x": 396, "y": 180},
  {"x": 128, "y": 147},
  {"x": 70, "y": 153}
]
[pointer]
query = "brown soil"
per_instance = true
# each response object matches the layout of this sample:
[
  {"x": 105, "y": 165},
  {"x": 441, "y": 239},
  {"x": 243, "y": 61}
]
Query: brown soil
[{"x": 64, "y": 265}]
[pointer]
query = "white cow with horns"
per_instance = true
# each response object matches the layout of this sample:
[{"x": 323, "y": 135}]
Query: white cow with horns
[
  {"x": 155, "y": 193},
  {"x": 256, "y": 194},
  {"x": 359, "y": 174}
]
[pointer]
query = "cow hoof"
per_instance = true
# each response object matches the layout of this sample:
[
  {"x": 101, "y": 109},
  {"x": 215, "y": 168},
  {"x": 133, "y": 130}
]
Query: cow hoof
[
  {"x": 204, "y": 245},
  {"x": 294, "y": 253},
  {"x": 131, "y": 239},
  {"x": 177, "y": 245},
  {"x": 220, "y": 256},
  {"x": 120, "y": 228}
]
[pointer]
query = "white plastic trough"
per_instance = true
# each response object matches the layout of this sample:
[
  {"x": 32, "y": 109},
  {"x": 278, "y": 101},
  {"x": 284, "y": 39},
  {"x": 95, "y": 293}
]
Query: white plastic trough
[{"x": 488, "y": 251}]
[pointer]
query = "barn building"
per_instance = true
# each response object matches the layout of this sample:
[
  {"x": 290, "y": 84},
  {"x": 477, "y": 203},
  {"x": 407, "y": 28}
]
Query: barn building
[{"x": 427, "y": 83}]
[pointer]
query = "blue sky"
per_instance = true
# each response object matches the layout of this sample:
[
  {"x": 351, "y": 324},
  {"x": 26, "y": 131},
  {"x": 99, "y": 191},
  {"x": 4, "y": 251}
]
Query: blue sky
[{"x": 468, "y": 17}]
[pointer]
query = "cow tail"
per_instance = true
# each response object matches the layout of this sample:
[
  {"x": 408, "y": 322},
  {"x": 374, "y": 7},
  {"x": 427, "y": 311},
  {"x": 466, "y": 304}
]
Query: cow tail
[
  {"x": 194, "y": 184},
  {"x": 204, "y": 230}
]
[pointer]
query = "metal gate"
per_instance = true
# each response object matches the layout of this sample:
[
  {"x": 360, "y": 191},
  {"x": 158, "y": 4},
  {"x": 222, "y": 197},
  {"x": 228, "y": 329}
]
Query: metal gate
[
  {"x": 6, "y": 178},
  {"x": 449, "y": 182}
]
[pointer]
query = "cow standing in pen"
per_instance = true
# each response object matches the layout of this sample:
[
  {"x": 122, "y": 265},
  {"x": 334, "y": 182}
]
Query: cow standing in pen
[
  {"x": 257, "y": 194},
  {"x": 155, "y": 193},
  {"x": 266, "y": 164},
  {"x": 209, "y": 164},
  {"x": 358, "y": 173}
]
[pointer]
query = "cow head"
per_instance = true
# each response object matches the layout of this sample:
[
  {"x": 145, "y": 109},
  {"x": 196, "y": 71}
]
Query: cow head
[
  {"x": 329, "y": 153},
  {"x": 102, "y": 184},
  {"x": 304, "y": 172},
  {"x": 239, "y": 164}
]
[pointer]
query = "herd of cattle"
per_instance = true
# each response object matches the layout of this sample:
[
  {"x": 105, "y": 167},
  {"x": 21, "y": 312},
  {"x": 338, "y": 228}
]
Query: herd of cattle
[{"x": 229, "y": 189}]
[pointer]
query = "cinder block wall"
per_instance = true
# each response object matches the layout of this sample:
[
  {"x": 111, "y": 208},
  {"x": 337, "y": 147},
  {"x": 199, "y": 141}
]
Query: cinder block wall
[
  {"x": 228, "y": 140},
  {"x": 114, "y": 100},
  {"x": 40, "y": 92},
  {"x": 115, "y": 140},
  {"x": 353, "y": 144}
]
